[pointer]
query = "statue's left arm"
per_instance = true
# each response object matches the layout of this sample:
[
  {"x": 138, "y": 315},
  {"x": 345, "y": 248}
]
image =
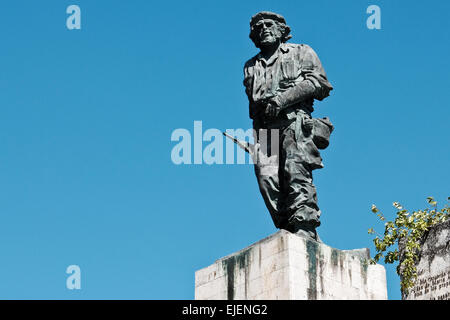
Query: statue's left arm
[{"x": 312, "y": 82}]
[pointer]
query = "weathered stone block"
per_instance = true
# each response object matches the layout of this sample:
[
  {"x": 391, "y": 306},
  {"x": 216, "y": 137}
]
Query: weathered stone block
[
  {"x": 290, "y": 267},
  {"x": 433, "y": 267}
]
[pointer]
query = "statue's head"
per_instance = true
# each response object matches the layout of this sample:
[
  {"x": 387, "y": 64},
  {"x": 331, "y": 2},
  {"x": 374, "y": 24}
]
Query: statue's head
[{"x": 268, "y": 28}]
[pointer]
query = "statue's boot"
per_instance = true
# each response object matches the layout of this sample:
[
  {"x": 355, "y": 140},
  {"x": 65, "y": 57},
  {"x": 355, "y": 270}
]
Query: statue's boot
[{"x": 310, "y": 235}]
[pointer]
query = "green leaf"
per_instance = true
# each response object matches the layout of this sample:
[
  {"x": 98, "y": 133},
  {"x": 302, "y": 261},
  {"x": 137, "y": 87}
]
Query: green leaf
[
  {"x": 431, "y": 201},
  {"x": 397, "y": 205},
  {"x": 374, "y": 209}
]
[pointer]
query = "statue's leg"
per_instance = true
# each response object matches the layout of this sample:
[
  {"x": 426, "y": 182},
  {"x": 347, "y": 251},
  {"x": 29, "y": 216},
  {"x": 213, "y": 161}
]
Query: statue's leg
[
  {"x": 270, "y": 191},
  {"x": 266, "y": 171},
  {"x": 299, "y": 192}
]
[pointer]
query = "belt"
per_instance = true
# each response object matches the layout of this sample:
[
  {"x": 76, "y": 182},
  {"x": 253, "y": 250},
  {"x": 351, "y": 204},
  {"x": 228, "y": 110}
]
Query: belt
[{"x": 284, "y": 119}]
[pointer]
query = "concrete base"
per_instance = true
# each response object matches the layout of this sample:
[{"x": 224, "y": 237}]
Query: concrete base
[{"x": 285, "y": 266}]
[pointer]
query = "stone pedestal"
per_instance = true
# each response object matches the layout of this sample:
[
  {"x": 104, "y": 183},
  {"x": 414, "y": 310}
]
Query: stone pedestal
[
  {"x": 285, "y": 266},
  {"x": 433, "y": 267}
]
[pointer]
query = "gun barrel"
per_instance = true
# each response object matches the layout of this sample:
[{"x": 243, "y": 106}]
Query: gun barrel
[{"x": 244, "y": 145}]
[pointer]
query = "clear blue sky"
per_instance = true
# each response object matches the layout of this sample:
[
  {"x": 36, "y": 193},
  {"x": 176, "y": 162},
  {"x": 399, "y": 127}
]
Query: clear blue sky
[{"x": 86, "y": 119}]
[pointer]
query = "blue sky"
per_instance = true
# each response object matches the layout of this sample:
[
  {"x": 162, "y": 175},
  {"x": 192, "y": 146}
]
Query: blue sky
[{"x": 86, "y": 119}]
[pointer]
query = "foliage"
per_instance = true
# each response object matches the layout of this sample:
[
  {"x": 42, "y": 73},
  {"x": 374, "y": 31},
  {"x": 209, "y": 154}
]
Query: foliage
[{"x": 408, "y": 229}]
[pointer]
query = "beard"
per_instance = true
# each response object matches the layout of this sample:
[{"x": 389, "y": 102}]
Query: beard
[{"x": 269, "y": 41}]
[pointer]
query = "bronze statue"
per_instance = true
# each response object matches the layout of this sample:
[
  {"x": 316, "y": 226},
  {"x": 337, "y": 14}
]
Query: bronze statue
[{"x": 282, "y": 81}]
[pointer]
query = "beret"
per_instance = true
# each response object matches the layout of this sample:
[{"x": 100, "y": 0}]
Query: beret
[{"x": 267, "y": 15}]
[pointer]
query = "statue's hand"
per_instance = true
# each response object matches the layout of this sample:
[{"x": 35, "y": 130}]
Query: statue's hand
[
  {"x": 308, "y": 125},
  {"x": 272, "y": 109}
]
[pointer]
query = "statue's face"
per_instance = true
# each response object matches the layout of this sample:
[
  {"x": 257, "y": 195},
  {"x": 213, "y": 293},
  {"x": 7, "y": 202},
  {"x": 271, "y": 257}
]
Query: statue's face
[{"x": 268, "y": 31}]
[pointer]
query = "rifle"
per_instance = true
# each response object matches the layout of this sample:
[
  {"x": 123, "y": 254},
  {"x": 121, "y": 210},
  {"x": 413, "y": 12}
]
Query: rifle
[{"x": 248, "y": 147}]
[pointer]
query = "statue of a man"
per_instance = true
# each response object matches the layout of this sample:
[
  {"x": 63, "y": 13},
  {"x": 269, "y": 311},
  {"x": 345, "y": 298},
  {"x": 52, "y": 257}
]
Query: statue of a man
[{"x": 282, "y": 81}]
